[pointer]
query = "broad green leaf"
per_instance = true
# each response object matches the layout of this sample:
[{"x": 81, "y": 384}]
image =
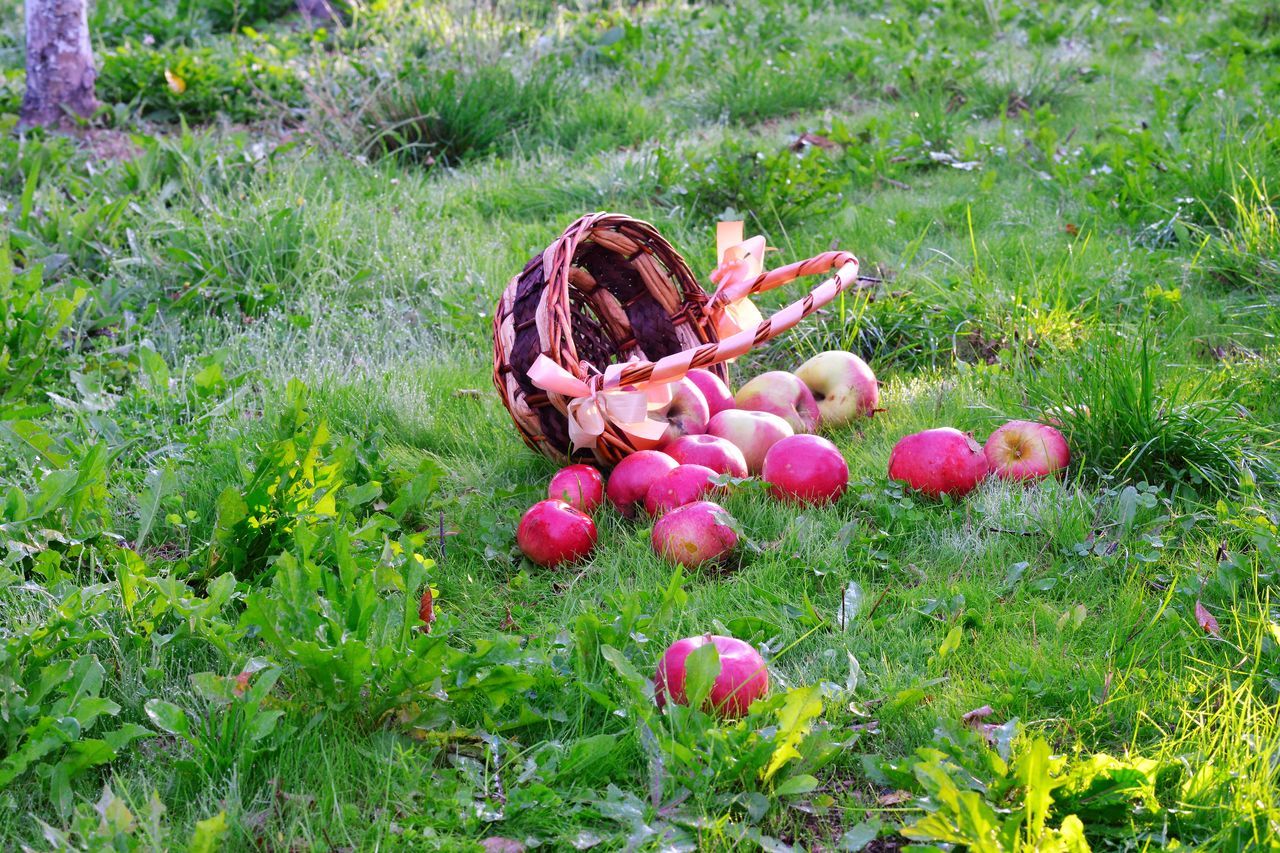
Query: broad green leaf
[
  {"x": 208, "y": 835},
  {"x": 1033, "y": 773},
  {"x": 159, "y": 483},
  {"x": 796, "y": 785},
  {"x": 951, "y": 642},
  {"x": 701, "y": 668},
  {"x": 167, "y": 717},
  {"x": 641, "y": 688},
  {"x": 859, "y": 836},
  {"x": 795, "y": 718}
]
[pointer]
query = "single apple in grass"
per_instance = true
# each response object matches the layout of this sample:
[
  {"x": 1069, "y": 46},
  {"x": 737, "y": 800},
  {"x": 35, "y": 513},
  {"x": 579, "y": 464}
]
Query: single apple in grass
[
  {"x": 1025, "y": 450},
  {"x": 938, "y": 461},
  {"x": 580, "y": 486},
  {"x": 694, "y": 534},
  {"x": 743, "y": 676},
  {"x": 681, "y": 485},
  {"x": 843, "y": 386},
  {"x": 687, "y": 413},
  {"x": 751, "y": 432},
  {"x": 631, "y": 478},
  {"x": 783, "y": 394},
  {"x": 717, "y": 394},
  {"x": 806, "y": 469},
  {"x": 552, "y": 532},
  {"x": 718, "y": 454}
]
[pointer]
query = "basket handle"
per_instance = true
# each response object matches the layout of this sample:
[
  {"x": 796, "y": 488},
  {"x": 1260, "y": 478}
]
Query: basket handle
[{"x": 677, "y": 365}]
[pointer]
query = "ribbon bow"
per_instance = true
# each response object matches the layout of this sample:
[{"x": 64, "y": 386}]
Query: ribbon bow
[
  {"x": 740, "y": 263},
  {"x": 600, "y": 401}
]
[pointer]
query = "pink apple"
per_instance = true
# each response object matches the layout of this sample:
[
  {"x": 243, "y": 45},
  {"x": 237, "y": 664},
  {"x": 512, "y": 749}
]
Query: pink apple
[
  {"x": 751, "y": 432},
  {"x": 631, "y": 478},
  {"x": 842, "y": 384},
  {"x": 1025, "y": 450},
  {"x": 938, "y": 461},
  {"x": 552, "y": 532},
  {"x": 580, "y": 486},
  {"x": 806, "y": 468},
  {"x": 717, "y": 394},
  {"x": 743, "y": 675},
  {"x": 681, "y": 485},
  {"x": 694, "y": 534},
  {"x": 718, "y": 454},
  {"x": 783, "y": 394},
  {"x": 687, "y": 413}
]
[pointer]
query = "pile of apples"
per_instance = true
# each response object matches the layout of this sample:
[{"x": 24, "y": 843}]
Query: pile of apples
[{"x": 765, "y": 430}]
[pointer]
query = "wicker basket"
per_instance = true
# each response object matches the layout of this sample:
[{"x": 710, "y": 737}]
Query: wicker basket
[{"x": 612, "y": 291}]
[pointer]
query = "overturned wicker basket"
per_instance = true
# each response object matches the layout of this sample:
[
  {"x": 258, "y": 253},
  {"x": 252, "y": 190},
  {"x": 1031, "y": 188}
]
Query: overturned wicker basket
[{"x": 610, "y": 291}]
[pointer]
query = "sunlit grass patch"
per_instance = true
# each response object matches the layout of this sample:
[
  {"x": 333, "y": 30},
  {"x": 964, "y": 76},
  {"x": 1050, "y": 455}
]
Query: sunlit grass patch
[
  {"x": 1244, "y": 250},
  {"x": 1130, "y": 414}
]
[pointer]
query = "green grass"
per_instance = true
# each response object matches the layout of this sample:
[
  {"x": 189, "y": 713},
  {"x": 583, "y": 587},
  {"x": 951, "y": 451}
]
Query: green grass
[{"x": 1072, "y": 210}]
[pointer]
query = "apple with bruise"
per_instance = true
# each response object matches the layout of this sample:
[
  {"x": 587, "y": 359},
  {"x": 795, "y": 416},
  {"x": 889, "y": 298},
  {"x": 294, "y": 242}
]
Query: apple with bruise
[
  {"x": 938, "y": 462},
  {"x": 580, "y": 486},
  {"x": 742, "y": 679},
  {"x": 552, "y": 533},
  {"x": 783, "y": 394},
  {"x": 630, "y": 480},
  {"x": 694, "y": 534}
]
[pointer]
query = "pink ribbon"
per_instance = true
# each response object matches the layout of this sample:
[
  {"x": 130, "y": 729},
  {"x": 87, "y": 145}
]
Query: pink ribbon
[
  {"x": 600, "y": 401},
  {"x": 740, "y": 263}
]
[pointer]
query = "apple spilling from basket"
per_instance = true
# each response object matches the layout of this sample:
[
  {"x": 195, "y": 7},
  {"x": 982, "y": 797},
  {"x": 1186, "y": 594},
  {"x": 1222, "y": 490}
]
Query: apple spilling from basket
[{"x": 765, "y": 430}]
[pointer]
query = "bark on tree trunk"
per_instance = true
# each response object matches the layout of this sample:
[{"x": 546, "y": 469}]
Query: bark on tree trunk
[
  {"x": 317, "y": 12},
  {"x": 60, "y": 70}
]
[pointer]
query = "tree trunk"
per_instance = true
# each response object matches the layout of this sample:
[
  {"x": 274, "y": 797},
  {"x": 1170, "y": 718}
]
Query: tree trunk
[
  {"x": 318, "y": 12},
  {"x": 60, "y": 70}
]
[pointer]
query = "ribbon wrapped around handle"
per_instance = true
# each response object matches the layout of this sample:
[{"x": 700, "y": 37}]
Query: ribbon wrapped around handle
[
  {"x": 740, "y": 264},
  {"x": 601, "y": 400}
]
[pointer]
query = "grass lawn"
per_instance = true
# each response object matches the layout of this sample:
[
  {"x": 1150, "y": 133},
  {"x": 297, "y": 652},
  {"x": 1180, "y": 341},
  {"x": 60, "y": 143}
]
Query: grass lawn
[{"x": 247, "y": 416}]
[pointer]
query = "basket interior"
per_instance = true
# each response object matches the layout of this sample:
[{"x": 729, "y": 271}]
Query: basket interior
[{"x": 614, "y": 315}]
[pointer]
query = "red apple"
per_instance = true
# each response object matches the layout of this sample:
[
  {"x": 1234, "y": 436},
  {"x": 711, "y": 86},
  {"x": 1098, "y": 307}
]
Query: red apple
[
  {"x": 718, "y": 454},
  {"x": 552, "y": 532},
  {"x": 1025, "y": 450},
  {"x": 631, "y": 478},
  {"x": 681, "y": 485},
  {"x": 806, "y": 468},
  {"x": 842, "y": 384},
  {"x": 580, "y": 486},
  {"x": 938, "y": 461},
  {"x": 694, "y": 534},
  {"x": 717, "y": 394},
  {"x": 751, "y": 432},
  {"x": 743, "y": 677},
  {"x": 687, "y": 413},
  {"x": 783, "y": 394}
]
